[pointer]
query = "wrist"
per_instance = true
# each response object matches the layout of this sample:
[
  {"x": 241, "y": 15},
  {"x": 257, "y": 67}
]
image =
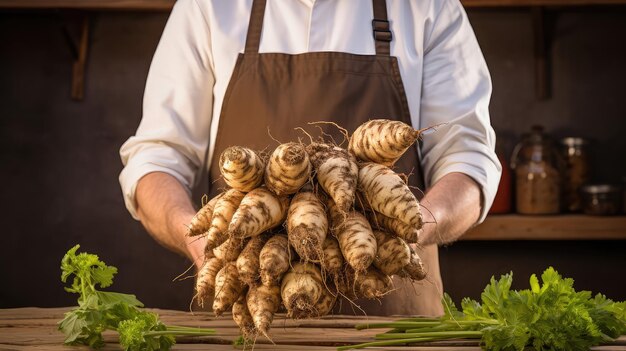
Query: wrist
[
  {"x": 195, "y": 250},
  {"x": 191, "y": 247},
  {"x": 428, "y": 233}
]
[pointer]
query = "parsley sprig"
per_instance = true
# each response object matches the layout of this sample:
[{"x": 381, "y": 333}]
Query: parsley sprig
[
  {"x": 551, "y": 315},
  {"x": 99, "y": 311}
]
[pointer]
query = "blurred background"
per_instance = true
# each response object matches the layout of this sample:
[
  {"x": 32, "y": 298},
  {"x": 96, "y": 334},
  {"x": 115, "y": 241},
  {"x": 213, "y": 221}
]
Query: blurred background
[{"x": 563, "y": 68}]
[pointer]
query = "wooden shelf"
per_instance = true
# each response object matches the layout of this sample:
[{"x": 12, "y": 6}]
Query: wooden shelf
[
  {"x": 563, "y": 227},
  {"x": 166, "y": 5}
]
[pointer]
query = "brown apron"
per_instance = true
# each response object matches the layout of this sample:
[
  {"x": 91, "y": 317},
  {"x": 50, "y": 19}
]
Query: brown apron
[{"x": 277, "y": 92}]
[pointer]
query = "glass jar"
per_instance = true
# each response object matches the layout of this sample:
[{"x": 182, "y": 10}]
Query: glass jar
[
  {"x": 602, "y": 199},
  {"x": 576, "y": 171},
  {"x": 535, "y": 161}
]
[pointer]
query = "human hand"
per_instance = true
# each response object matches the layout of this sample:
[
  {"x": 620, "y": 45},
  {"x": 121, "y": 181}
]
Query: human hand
[
  {"x": 194, "y": 245},
  {"x": 449, "y": 208}
]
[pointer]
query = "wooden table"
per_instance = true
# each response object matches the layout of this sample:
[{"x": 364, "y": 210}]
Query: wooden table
[{"x": 36, "y": 329}]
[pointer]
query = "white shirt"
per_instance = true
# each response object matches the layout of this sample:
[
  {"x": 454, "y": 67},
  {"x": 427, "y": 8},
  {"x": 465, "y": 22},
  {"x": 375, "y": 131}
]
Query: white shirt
[{"x": 444, "y": 73}]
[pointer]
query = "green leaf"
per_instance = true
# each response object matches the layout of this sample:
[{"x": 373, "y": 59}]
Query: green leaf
[
  {"x": 449, "y": 308},
  {"x": 134, "y": 334},
  {"x": 120, "y": 312},
  {"x": 89, "y": 302},
  {"x": 534, "y": 284},
  {"x": 72, "y": 326},
  {"x": 472, "y": 309},
  {"x": 67, "y": 268},
  {"x": 506, "y": 337},
  {"x": 495, "y": 295},
  {"x": 609, "y": 316},
  {"x": 240, "y": 341},
  {"x": 108, "y": 298},
  {"x": 87, "y": 271},
  {"x": 83, "y": 326}
]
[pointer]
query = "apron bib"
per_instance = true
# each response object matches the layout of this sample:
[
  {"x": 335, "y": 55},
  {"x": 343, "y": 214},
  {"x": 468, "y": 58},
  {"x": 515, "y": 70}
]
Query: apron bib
[{"x": 278, "y": 92}]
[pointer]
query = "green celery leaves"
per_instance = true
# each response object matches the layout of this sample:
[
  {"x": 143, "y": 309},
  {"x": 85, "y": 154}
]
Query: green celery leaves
[
  {"x": 551, "y": 315},
  {"x": 98, "y": 311}
]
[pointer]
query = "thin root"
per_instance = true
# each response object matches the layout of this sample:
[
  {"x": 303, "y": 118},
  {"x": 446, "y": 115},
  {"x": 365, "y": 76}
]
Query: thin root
[
  {"x": 342, "y": 130},
  {"x": 323, "y": 134},
  {"x": 305, "y": 132},
  {"x": 272, "y": 137},
  {"x": 178, "y": 277},
  {"x": 420, "y": 132}
]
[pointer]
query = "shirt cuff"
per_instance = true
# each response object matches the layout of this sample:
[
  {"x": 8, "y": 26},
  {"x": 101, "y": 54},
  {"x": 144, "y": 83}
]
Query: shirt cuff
[
  {"x": 484, "y": 171},
  {"x": 133, "y": 172}
]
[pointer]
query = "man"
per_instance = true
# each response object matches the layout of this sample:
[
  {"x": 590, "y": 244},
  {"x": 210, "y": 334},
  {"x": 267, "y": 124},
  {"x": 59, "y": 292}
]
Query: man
[{"x": 227, "y": 71}]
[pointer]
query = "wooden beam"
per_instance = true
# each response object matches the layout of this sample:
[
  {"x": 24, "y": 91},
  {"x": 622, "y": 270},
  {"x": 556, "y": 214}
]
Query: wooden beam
[
  {"x": 542, "y": 41},
  {"x": 524, "y": 3},
  {"x": 166, "y": 5},
  {"x": 124, "y": 5},
  {"x": 559, "y": 227},
  {"x": 78, "y": 68}
]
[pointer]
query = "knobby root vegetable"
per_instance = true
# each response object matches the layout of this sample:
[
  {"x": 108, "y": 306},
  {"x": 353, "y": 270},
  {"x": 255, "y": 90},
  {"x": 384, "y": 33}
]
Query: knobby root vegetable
[
  {"x": 243, "y": 318},
  {"x": 361, "y": 203},
  {"x": 382, "y": 141},
  {"x": 263, "y": 302},
  {"x": 356, "y": 240},
  {"x": 201, "y": 222},
  {"x": 205, "y": 283},
  {"x": 259, "y": 211},
  {"x": 241, "y": 168},
  {"x": 408, "y": 233},
  {"x": 373, "y": 284},
  {"x": 274, "y": 259},
  {"x": 334, "y": 214},
  {"x": 332, "y": 259},
  {"x": 346, "y": 283},
  {"x": 248, "y": 264},
  {"x": 301, "y": 289},
  {"x": 393, "y": 253},
  {"x": 387, "y": 193},
  {"x": 228, "y": 288},
  {"x": 325, "y": 304},
  {"x": 307, "y": 225},
  {"x": 223, "y": 212},
  {"x": 288, "y": 169},
  {"x": 336, "y": 171},
  {"x": 229, "y": 250},
  {"x": 415, "y": 269}
]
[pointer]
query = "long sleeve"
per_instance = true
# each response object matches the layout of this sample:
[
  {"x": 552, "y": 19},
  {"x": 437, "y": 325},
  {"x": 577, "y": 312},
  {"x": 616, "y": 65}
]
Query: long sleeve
[
  {"x": 174, "y": 131},
  {"x": 456, "y": 89}
]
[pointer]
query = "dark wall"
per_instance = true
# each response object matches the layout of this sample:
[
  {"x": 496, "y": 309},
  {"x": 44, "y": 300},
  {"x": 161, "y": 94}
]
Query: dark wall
[{"x": 60, "y": 158}]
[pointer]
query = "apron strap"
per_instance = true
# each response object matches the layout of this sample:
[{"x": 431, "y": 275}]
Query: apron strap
[
  {"x": 380, "y": 26},
  {"x": 253, "y": 38}
]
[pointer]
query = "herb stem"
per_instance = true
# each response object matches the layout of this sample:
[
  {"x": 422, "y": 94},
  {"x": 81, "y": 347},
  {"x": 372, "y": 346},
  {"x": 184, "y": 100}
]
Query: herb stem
[
  {"x": 398, "y": 325},
  {"x": 179, "y": 328},
  {"x": 418, "y": 324},
  {"x": 178, "y": 332},
  {"x": 384, "y": 343},
  {"x": 436, "y": 334}
]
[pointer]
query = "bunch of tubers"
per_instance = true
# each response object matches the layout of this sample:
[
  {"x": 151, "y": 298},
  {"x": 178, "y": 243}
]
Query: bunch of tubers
[{"x": 308, "y": 224}]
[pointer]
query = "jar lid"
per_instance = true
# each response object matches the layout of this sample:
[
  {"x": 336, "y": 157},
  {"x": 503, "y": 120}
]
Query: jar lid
[
  {"x": 600, "y": 189},
  {"x": 574, "y": 141}
]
